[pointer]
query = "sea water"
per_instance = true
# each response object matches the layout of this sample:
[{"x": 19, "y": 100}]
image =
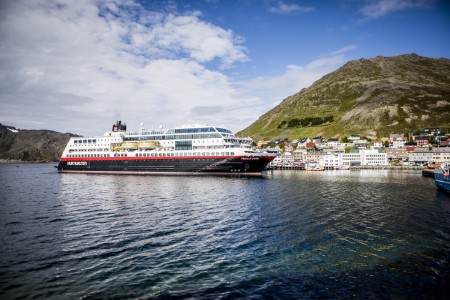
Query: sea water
[{"x": 288, "y": 234}]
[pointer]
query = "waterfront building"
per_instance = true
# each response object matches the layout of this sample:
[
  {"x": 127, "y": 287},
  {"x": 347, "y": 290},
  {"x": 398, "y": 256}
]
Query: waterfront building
[
  {"x": 374, "y": 158},
  {"x": 351, "y": 159},
  {"x": 441, "y": 155},
  {"x": 420, "y": 156},
  {"x": 397, "y": 154},
  {"x": 299, "y": 155},
  {"x": 330, "y": 161},
  {"x": 313, "y": 156},
  {"x": 284, "y": 160},
  {"x": 364, "y": 157}
]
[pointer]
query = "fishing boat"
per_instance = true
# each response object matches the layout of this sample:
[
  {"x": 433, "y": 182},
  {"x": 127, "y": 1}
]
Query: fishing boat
[
  {"x": 442, "y": 177},
  {"x": 189, "y": 149}
]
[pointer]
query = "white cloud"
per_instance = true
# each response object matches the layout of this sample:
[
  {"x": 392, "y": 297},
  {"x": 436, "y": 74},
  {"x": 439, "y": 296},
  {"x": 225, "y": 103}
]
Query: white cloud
[
  {"x": 78, "y": 65},
  {"x": 272, "y": 90},
  {"x": 375, "y": 9},
  {"x": 344, "y": 49},
  {"x": 281, "y": 7}
]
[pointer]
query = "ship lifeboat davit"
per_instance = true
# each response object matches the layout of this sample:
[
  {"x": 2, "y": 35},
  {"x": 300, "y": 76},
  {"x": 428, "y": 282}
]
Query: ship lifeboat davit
[
  {"x": 147, "y": 145},
  {"x": 129, "y": 145}
]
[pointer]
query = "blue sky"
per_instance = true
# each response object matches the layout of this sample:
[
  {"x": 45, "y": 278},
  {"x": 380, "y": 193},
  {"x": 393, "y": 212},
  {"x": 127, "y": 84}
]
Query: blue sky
[{"x": 77, "y": 66}]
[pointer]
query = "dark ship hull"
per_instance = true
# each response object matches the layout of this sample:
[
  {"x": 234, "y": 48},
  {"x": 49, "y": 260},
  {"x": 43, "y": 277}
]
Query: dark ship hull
[{"x": 196, "y": 165}]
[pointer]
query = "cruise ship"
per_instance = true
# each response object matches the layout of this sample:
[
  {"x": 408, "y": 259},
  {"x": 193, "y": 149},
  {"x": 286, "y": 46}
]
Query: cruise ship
[{"x": 189, "y": 149}]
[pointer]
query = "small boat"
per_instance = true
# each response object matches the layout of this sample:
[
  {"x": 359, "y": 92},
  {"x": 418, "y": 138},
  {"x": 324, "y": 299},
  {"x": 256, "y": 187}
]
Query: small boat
[
  {"x": 342, "y": 167},
  {"x": 147, "y": 145},
  {"x": 442, "y": 177},
  {"x": 129, "y": 145},
  {"x": 314, "y": 168}
]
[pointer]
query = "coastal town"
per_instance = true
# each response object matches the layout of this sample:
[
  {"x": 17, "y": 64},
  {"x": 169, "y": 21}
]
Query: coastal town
[{"x": 427, "y": 147}]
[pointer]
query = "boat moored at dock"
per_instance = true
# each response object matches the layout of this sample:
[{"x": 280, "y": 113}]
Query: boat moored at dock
[
  {"x": 189, "y": 149},
  {"x": 442, "y": 177}
]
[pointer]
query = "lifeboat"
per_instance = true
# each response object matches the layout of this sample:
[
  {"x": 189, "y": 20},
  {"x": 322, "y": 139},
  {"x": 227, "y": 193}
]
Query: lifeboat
[
  {"x": 129, "y": 145},
  {"x": 147, "y": 145}
]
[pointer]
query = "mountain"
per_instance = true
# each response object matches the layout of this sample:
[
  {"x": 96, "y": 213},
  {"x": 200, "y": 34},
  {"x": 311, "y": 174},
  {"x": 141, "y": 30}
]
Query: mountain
[
  {"x": 31, "y": 145},
  {"x": 371, "y": 97}
]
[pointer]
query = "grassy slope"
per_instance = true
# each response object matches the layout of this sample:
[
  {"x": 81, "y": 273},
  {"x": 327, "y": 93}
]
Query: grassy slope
[{"x": 372, "y": 97}]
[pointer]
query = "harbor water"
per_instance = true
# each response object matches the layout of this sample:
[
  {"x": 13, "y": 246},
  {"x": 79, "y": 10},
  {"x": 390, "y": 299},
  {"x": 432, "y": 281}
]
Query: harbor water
[{"x": 289, "y": 234}]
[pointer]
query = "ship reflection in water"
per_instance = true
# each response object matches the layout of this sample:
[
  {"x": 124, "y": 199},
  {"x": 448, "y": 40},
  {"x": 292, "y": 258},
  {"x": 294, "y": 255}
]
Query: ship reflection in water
[{"x": 289, "y": 234}]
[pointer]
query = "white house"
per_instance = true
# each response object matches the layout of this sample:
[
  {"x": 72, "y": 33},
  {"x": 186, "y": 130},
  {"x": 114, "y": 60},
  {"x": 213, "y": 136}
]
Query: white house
[
  {"x": 378, "y": 145},
  {"x": 333, "y": 143},
  {"x": 354, "y": 137},
  {"x": 397, "y": 141},
  {"x": 330, "y": 161}
]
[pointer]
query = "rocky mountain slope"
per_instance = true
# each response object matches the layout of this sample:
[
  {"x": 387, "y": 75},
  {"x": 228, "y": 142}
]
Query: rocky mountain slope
[
  {"x": 31, "y": 145},
  {"x": 371, "y": 97}
]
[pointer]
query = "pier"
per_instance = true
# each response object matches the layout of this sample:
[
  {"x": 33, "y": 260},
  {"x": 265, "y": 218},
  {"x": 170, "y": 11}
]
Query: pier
[{"x": 352, "y": 168}]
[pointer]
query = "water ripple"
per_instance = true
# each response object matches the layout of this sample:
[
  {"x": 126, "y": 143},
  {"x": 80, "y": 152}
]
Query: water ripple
[{"x": 363, "y": 234}]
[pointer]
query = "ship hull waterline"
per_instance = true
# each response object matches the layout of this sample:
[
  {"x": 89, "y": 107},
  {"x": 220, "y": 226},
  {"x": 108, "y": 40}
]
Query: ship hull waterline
[{"x": 249, "y": 166}]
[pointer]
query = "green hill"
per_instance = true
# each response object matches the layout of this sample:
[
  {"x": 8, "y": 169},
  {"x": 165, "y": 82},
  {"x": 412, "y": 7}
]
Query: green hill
[{"x": 372, "y": 97}]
